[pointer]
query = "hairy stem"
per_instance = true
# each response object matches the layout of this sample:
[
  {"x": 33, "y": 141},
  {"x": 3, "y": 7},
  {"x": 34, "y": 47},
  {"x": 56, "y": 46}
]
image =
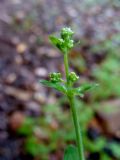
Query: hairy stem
[{"x": 77, "y": 128}]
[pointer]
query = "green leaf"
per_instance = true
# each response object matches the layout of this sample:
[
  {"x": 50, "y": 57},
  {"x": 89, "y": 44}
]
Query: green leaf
[
  {"x": 81, "y": 90},
  {"x": 59, "y": 43},
  {"x": 95, "y": 146},
  {"x": 115, "y": 147},
  {"x": 104, "y": 156},
  {"x": 54, "y": 40},
  {"x": 71, "y": 153},
  {"x": 57, "y": 86},
  {"x": 27, "y": 127},
  {"x": 32, "y": 146}
]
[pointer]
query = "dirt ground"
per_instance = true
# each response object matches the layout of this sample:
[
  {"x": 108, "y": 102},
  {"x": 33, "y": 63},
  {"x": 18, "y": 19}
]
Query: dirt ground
[{"x": 26, "y": 55}]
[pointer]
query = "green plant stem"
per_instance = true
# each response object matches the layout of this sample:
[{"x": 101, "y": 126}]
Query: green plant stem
[
  {"x": 74, "y": 112},
  {"x": 77, "y": 128},
  {"x": 66, "y": 67}
]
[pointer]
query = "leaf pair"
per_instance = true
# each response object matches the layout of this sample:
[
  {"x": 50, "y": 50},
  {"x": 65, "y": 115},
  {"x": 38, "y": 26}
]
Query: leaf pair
[{"x": 62, "y": 88}]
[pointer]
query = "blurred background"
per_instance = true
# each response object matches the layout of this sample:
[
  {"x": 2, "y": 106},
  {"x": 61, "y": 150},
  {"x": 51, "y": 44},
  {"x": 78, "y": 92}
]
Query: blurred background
[{"x": 35, "y": 121}]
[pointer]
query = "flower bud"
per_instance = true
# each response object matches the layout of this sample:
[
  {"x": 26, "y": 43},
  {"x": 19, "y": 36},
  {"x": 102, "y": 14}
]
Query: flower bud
[
  {"x": 55, "y": 77},
  {"x": 66, "y": 33},
  {"x": 73, "y": 77},
  {"x": 70, "y": 44}
]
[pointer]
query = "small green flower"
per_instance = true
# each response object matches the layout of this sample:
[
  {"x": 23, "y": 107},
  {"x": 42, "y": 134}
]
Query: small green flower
[
  {"x": 65, "y": 42},
  {"x": 66, "y": 33},
  {"x": 70, "y": 44},
  {"x": 73, "y": 77},
  {"x": 55, "y": 77}
]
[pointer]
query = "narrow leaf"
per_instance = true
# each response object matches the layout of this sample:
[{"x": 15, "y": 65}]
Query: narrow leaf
[
  {"x": 81, "y": 90},
  {"x": 71, "y": 153},
  {"x": 54, "y": 40},
  {"x": 57, "y": 42},
  {"x": 57, "y": 86}
]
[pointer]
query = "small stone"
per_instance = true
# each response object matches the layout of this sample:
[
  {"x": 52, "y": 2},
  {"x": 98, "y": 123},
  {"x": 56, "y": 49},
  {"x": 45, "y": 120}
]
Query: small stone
[
  {"x": 11, "y": 78},
  {"x": 18, "y": 93},
  {"x": 41, "y": 72},
  {"x": 41, "y": 98},
  {"x": 21, "y": 48}
]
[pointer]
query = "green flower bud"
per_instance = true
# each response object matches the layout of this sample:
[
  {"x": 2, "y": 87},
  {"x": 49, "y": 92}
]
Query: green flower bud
[
  {"x": 66, "y": 33},
  {"x": 55, "y": 77},
  {"x": 70, "y": 44},
  {"x": 73, "y": 77}
]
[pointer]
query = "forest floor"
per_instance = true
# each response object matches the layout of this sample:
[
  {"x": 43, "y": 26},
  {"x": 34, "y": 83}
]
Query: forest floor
[{"x": 26, "y": 56}]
